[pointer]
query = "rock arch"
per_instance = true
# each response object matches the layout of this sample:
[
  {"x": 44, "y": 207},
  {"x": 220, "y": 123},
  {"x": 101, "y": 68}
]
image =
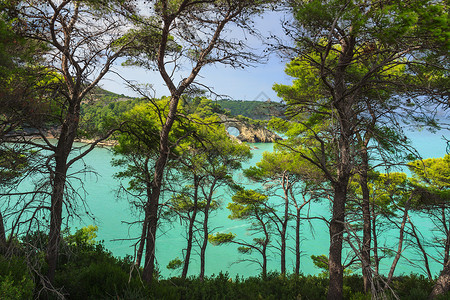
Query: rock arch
[{"x": 250, "y": 133}]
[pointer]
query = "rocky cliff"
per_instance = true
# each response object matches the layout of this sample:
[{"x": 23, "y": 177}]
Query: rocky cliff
[{"x": 248, "y": 132}]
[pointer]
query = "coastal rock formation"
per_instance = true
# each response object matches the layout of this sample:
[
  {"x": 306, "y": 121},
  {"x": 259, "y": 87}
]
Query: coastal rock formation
[{"x": 249, "y": 132}]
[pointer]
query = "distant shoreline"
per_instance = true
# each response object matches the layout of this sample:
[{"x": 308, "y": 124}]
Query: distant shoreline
[
  {"x": 53, "y": 134},
  {"x": 107, "y": 143}
]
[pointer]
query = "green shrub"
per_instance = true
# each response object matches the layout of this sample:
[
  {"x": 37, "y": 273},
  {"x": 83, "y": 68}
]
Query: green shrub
[
  {"x": 87, "y": 270},
  {"x": 16, "y": 281},
  {"x": 412, "y": 287}
]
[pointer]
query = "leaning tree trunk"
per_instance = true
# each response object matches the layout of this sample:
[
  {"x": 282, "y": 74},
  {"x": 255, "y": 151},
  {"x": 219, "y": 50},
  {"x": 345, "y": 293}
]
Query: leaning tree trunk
[
  {"x": 206, "y": 229},
  {"x": 401, "y": 239},
  {"x": 140, "y": 250},
  {"x": 145, "y": 223},
  {"x": 153, "y": 205},
  {"x": 187, "y": 257},
  {"x": 422, "y": 249},
  {"x": 58, "y": 181},
  {"x": 168, "y": 18}
]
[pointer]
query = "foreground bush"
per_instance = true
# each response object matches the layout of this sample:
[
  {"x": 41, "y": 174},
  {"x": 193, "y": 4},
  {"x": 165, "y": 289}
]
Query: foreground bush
[
  {"x": 16, "y": 282},
  {"x": 276, "y": 286},
  {"x": 89, "y": 271}
]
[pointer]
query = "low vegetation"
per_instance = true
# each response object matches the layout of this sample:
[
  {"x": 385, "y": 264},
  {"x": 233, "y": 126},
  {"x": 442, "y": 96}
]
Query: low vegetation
[{"x": 87, "y": 270}]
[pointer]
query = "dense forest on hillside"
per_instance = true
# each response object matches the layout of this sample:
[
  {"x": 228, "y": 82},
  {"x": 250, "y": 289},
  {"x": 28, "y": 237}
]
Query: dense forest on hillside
[
  {"x": 102, "y": 107},
  {"x": 253, "y": 109},
  {"x": 362, "y": 72},
  {"x": 101, "y": 95},
  {"x": 258, "y": 110}
]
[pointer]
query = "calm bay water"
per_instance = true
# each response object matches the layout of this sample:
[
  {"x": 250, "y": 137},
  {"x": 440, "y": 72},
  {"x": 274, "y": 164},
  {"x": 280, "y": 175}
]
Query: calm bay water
[{"x": 111, "y": 211}]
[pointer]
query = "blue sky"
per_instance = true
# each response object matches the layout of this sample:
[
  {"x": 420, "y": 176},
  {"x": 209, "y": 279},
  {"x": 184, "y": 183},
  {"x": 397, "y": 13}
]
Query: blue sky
[{"x": 254, "y": 83}]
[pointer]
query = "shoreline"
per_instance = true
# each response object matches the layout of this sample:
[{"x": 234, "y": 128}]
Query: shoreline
[{"x": 107, "y": 143}]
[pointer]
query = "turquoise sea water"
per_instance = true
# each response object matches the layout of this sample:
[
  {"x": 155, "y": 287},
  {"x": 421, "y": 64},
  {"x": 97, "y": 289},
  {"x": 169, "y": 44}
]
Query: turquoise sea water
[{"x": 112, "y": 211}]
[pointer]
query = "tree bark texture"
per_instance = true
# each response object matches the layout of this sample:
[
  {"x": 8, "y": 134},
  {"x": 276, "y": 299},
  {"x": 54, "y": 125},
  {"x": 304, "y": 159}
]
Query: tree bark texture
[
  {"x": 142, "y": 239},
  {"x": 209, "y": 198},
  {"x": 376, "y": 259},
  {"x": 58, "y": 180},
  {"x": 187, "y": 257},
  {"x": 400, "y": 244},
  {"x": 365, "y": 251},
  {"x": 446, "y": 228},
  {"x": 284, "y": 224},
  {"x": 343, "y": 104},
  {"x": 205, "y": 240},
  {"x": 2, "y": 234},
  {"x": 149, "y": 262},
  {"x": 297, "y": 242},
  {"x": 422, "y": 249},
  {"x": 335, "y": 288},
  {"x": 153, "y": 205},
  {"x": 442, "y": 285},
  {"x": 140, "y": 250},
  {"x": 204, "y": 243},
  {"x": 264, "y": 264}
]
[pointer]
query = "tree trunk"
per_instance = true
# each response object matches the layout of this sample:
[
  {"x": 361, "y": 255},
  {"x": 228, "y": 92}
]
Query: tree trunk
[
  {"x": 187, "y": 257},
  {"x": 140, "y": 250},
  {"x": 442, "y": 284},
  {"x": 58, "y": 180},
  {"x": 447, "y": 232},
  {"x": 264, "y": 245},
  {"x": 400, "y": 244},
  {"x": 150, "y": 241},
  {"x": 264, "y": 258},
  {"x": 55, "y": 224},
  {"x": 335, "y": 288},
  {"x": 2, "y": 234},
  {"x": 142, "y": 240},
  {"x": 153, "y": 205},
  {"x": 365, "y": 251},
  {"x": 206, "y": 230},
  {"x": 284, "y": 224},
  {"x": 205, "y": 241},
  {"x": 422, "y": 250},
  {"x": 297, "y": 242},
  {"x": 345, "y": 133},
  {"x": 376, "y": 259}
]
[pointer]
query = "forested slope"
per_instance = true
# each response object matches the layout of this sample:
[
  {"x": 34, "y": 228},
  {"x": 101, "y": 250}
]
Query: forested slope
[{"x": 253, "y": 109}]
